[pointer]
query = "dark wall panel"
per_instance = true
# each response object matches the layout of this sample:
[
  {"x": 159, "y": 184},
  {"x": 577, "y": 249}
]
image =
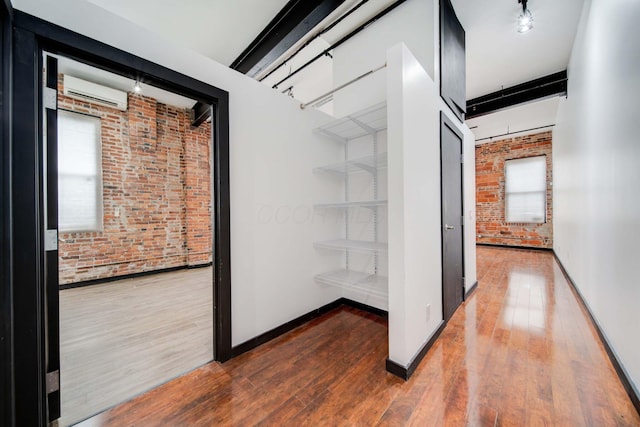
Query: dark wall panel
[{"x": 452, "y": 60}]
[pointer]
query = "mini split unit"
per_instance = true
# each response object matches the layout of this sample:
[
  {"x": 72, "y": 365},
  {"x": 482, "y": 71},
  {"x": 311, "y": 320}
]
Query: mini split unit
[{"x": 95, "y": 93}]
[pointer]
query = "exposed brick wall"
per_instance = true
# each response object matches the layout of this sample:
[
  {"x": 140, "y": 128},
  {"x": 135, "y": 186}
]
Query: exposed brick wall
[
  {"x": 156, "y": 193},
  {"x": 491, "y": 227}
]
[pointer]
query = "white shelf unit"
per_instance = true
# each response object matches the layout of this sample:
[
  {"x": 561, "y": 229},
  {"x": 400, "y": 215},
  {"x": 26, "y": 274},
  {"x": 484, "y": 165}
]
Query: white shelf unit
[
  {"x": 364, "y": 124},
  {"x": 361, "y": 246},
  {"x": 371, "y": 284},
  {"x": 347, "y": 205},
  {"x": 362, "y": 164}
]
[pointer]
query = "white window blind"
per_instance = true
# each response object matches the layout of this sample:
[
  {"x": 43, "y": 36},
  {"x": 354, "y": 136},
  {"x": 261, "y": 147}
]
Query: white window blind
[
  {"x": 79, "y": 172},
  {"x": 526, "y": 190}
]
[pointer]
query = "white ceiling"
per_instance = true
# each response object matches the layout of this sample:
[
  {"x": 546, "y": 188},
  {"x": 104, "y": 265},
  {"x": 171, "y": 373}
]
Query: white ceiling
[
  {"x": 219, "y": 29},
  {"x": 115, "y": 81},
  {"x": 497, "y": 55},
  {"x": 524, "y": 118}
]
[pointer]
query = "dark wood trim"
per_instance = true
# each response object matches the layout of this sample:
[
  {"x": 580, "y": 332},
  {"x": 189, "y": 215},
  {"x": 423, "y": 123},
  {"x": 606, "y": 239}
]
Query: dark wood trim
[
  {"x": 130, "y": 276},
  {"x": 624, "y": 376},
  {"x": 405, "y": 372},
  {"x": 543, "y": 87},
  {"x": 364, "y": 307},
  {"x": 301, "y": 320},
  {"x": 292, "y": 23},
  {"x": 468, "y": 293},
  {"x": 31, "y": 37},
  {"x": 524, "y": 248},
  {"x": 284, "y": 328},
  {"x": 7, "y": 402},
  {"x": 28, "y": 230},
  {"x": 51, "y": 271}
]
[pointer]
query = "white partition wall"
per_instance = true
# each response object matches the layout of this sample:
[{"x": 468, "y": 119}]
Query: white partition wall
[
  {"x": 415, "y": 270},
  {"x": 415, "y": 258}
]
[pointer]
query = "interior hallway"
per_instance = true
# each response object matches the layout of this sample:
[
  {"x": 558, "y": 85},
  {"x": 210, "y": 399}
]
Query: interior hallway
[{"x": 520, "y": 351}]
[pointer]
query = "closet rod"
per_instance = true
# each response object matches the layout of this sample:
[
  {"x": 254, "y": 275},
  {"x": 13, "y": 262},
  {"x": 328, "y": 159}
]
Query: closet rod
[
  {"x": 342, "y": 86},
  {"x": 339, "y": 42},
  {"x": 319, "y": 34}
]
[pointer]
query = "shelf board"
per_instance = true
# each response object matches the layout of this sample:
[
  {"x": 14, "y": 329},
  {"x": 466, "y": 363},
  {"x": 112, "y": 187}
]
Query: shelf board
[
  {"x": 354, "y": 245},
  {"x": 369, "y": 164},
  {"x": 370, "y": 284},
  {"x": 362, "y": 123},
  {"x": 346, "y": 205}
]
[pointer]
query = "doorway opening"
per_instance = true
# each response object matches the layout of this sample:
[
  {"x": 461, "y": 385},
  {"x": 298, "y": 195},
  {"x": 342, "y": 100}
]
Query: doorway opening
[
  {"x": 35, "y": 208},
  {"x": 135, "y": 242}
]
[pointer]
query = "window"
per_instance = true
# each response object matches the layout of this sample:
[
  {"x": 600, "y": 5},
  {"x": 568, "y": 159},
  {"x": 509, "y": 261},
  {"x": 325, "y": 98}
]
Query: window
[
  {"x": 79, "y": 172},
  {"x": 526, "y": 190}
]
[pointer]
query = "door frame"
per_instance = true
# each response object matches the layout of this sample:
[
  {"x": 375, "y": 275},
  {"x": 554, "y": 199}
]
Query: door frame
[
  {"x": 31, "y": 37},
  {"x": 446, "y": 121},
  {"x": 6, "y": 322}
]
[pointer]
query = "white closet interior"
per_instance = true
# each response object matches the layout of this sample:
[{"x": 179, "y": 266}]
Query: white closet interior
[{"x": 361, "y": 267}]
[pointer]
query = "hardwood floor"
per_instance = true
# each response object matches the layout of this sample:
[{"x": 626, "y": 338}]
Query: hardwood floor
[
  {"x": 520, "y": 351},
  {"x": 123, "y": 338}
]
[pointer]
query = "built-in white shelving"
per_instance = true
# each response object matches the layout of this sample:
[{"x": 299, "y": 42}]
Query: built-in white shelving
[
  {"x": 364, "y": 124},
  {"x": 346, "y": 205},
  {"x": 363, "y": 164},
  {"x": 360, "y": 246},
  {"x": 371, "y": 284}
]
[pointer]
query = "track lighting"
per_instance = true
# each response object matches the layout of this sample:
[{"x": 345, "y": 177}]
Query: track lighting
[{"x": 525, "y": 19}]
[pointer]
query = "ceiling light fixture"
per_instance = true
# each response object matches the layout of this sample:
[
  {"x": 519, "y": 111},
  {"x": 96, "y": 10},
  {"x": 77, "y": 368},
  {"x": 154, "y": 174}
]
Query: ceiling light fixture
[
  {"x": 137, "y": 88},
  {"x": 525, "y": 19}
]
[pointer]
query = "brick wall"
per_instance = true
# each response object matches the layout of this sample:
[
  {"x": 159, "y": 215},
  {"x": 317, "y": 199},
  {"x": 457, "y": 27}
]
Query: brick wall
[
  {"x": 156, "y": 193},
  {"x": 491, "y": 227}
]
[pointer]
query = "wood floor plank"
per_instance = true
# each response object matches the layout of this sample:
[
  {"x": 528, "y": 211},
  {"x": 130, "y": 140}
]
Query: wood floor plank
[{"x": 520, "y": 352}]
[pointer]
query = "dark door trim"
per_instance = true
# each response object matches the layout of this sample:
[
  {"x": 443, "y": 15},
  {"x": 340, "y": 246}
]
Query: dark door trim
[
  {"x": 445, "y": 121},
  {"x": 6, "y": 322},
  {"x": 31, "y": 37}
]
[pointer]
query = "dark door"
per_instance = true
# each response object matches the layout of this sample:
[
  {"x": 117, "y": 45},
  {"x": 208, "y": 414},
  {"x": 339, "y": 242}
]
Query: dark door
[
  {"x": 452, "y": 216},
  {"x": 52, "y": 357}
]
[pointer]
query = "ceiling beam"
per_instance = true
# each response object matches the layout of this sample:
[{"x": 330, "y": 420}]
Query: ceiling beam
[
  {"x": 200, "y": 113},
  {"x": 293, "y": 22},
  {"x": 544, "y": 87}
]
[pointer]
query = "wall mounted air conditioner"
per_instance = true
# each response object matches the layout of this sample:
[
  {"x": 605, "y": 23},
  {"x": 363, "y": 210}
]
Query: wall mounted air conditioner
[{"x": 95, "y": 93}]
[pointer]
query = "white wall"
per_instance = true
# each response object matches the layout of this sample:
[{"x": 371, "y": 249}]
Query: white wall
[
  {"x": 596, "y": 154},
  {"x": 411, "y": 23},
  {"x": 415, "y": 270},
  {"x": 272, "y": 152}
]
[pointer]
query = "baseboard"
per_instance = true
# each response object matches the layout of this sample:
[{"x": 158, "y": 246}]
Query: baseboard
[
  {"x": 406, "y": 372},
  {"x": 299, "y": 321},
  {"x": 131, "y": 276},
  {"x": 625, "y": 379},
  {"x": 471, "y": 290},
  {"x": 364, "y": 307},
  {"x": 526, "y": 248}
]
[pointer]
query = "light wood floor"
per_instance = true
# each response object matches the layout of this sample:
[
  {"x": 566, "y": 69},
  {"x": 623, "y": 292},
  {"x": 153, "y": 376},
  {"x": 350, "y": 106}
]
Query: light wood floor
[
  {"x": 123, "y": 338},
  {"x": 520, "y": 351}
]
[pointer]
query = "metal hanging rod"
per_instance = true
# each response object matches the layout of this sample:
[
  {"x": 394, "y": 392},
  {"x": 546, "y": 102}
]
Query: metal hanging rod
[
  {"x": 341, "y": 41},
  {"x": 319, "y": 34},
  {"x": 342, "y": 86}
]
